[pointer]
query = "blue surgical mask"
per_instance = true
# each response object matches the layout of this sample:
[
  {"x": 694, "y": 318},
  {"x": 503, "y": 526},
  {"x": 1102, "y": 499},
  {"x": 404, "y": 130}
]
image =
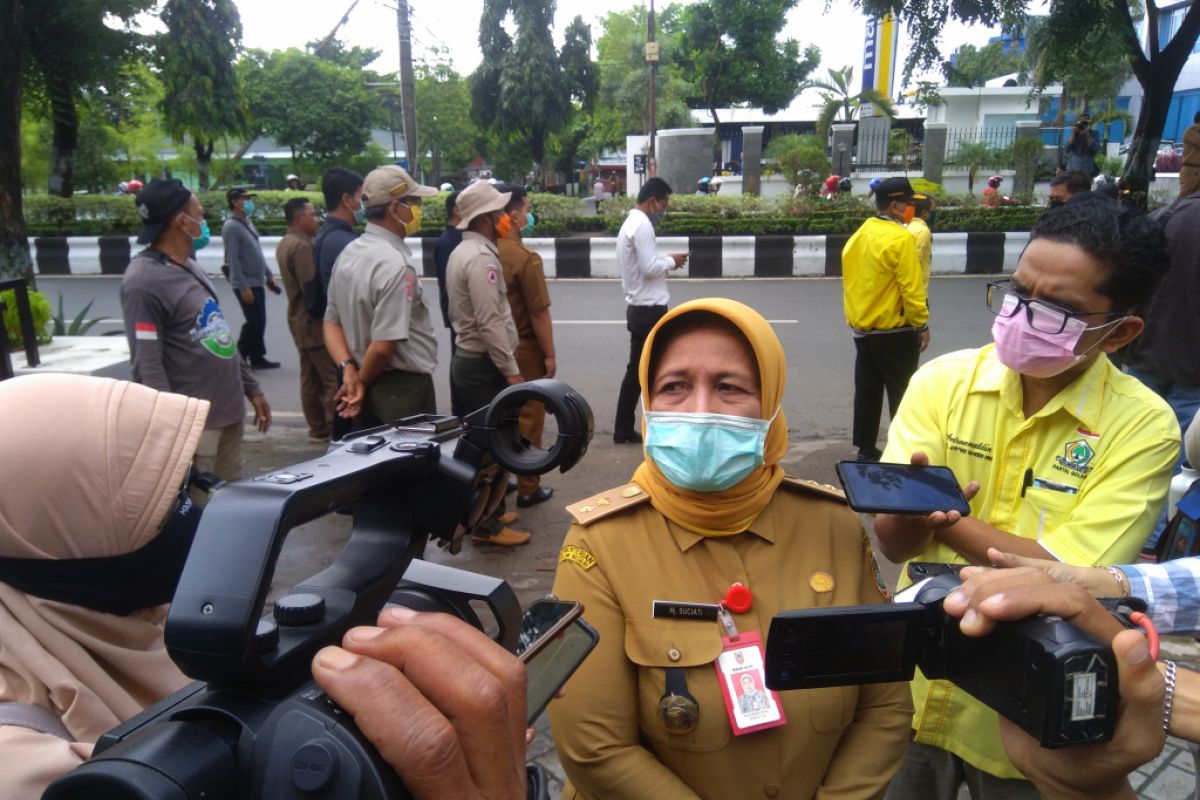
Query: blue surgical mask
[
  {"x": 200, "y": 241},
  {"x": 360, "y": 214},
  {"x": 528, "y": 229},
  {"x": 705, "y": 452},
  {"x": 248, "y": 207}
]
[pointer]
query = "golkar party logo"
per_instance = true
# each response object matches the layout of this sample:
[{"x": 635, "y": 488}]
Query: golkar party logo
[{"x": 212, "y": 331}]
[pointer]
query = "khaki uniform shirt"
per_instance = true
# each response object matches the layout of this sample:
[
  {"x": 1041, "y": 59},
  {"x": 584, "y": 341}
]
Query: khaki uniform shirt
[
  {"x": 524, "y": 281},
  {"x": 295, "y": 258},
  {"x": 375, "y": 295},
  {"x": 479, "y": 311},
  {"x": 806, "y": 550}
]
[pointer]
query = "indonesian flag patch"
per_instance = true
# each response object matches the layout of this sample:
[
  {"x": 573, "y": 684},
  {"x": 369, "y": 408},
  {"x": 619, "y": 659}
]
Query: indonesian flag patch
[{"x": 145, "y": 331}]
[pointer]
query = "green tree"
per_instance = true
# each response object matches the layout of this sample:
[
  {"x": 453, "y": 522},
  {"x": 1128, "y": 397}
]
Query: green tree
[
  {"x": 802, "y": 160},
  {"x": 973, "y": 156},
  {"x": 522, "y": 87},
  {"x": 1095, "y": 73},
  {"x": 623, "y": 105},
  {"x": 731, "y": 54},
  {"x": 1072, "y": 27},
  {"x": 318, "y": 109},
  {"x": 974, "y": 66},
  {"x": 203, "y": 99},
  {"x": 838, "y": 99},
  {"x": 443, "y": 99}
]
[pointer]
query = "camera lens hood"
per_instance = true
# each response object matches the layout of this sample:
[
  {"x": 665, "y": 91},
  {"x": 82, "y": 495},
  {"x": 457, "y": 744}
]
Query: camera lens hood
[{"x": 513, "y": 452}]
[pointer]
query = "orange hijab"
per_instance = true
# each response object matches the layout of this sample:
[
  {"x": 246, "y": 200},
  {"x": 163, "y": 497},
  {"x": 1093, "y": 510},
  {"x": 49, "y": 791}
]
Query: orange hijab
[{"x": 733, "y": 510}]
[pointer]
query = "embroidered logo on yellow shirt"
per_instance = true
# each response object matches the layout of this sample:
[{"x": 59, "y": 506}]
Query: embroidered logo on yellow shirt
[
  {"x": 1077, "y": 454},
  {"x": 577, "y": 555}
]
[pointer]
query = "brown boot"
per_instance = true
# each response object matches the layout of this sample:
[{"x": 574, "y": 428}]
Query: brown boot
[
  {"x": 507, "y": 518},
  {"x": 507, "y": 537}
]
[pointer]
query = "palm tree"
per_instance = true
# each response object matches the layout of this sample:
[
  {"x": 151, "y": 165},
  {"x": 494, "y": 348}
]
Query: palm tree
[
  {"x": 836, "y": 92},
  {"x": 972, "y": 156},
  {"x": 1109, "y": 116}
]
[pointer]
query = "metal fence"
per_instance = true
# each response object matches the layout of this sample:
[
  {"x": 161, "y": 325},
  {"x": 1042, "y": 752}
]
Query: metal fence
[
  {"x": 895, "y": 149},
  {"x": 980, "y": 147}
]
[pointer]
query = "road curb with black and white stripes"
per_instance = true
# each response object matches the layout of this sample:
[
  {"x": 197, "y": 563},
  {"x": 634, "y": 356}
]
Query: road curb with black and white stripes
[{"x": 978, "y": 253}]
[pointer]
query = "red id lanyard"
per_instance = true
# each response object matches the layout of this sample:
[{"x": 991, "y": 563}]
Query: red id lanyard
[{"x": 751, "y": 706}]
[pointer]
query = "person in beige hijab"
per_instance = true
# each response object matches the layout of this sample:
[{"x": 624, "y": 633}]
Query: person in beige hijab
[{"x": 92, "y": 471}]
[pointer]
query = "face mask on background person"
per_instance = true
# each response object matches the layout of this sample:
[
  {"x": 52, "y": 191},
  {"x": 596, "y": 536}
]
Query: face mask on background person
[
  {"x": 248, "y": 207},
  {"x": 200, "y": 240},
  {"x": 1054, "y": 202},
  {"x": 1024, "y": 349},
  {"x": 413, "y": 226},
  {"x": 657, "y": 214},
  {"x": 360, "y": 213},
  {"x": 528, "y": 229},
  {"x": 932, "y": 218},
  {"x": 907, "y": 215},
  {"x": 504, "y": 226},
  {"x": 705, "y": 452}
]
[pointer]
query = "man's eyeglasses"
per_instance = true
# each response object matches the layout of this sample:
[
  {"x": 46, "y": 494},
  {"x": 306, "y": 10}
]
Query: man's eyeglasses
[{"x": 1005, "y": 301}]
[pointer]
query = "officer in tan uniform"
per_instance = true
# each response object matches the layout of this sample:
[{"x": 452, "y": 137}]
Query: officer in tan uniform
[
  {"x": 484, "y": 361},
  {"x": 529, "y": 300},
  {"x": 709, "y": 516}
]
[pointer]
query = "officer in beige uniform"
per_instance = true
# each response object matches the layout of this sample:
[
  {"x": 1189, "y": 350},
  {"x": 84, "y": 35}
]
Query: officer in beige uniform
[
  {"x": 709, "y": 516},
  {"x": 484, "y": 361},
  {"x": 377, "y": 326},
  {"x": 529, "y": 300}
]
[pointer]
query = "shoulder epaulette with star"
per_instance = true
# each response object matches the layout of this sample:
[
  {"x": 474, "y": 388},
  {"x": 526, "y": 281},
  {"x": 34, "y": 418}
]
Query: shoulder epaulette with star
[{"x": 605, "y": 504}]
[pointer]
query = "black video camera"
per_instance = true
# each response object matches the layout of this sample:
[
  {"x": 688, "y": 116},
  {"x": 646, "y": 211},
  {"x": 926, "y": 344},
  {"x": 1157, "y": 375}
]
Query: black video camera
[
  {"x": 1053, "y": 680},
  {"x": 255, "y": 725}
]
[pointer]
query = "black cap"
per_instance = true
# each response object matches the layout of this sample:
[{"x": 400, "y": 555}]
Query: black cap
[
  {"x": 157, "y": 202},
  {"x": 237, "y": 193},
  {"x": 895, "y": 189}
]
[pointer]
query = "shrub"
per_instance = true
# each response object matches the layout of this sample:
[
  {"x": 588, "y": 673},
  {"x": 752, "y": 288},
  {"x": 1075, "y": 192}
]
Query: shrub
[{"x": 40, "y": 308}]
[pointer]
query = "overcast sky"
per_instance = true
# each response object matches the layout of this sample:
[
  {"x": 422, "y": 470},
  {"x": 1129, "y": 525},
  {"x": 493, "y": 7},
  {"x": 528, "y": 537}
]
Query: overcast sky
[{"x": 454, "y": 24}]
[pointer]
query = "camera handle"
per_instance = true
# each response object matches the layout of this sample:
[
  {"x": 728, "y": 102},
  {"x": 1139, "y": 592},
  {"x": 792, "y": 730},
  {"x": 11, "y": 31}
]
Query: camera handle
[{"x": 214, "y": 618}]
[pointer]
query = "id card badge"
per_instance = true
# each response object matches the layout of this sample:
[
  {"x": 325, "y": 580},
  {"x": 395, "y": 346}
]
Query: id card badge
[{"x": 751, "y": 706}]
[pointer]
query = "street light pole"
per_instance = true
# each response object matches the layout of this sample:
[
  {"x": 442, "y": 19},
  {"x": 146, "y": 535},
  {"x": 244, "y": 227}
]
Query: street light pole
[
  {"x": 407, "y": 101},
  {"x": 652, "y": 60}
]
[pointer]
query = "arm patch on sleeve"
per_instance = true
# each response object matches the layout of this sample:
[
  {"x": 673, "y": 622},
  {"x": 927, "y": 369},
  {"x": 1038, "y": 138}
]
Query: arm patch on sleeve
[{"x": 577, "y": 555}]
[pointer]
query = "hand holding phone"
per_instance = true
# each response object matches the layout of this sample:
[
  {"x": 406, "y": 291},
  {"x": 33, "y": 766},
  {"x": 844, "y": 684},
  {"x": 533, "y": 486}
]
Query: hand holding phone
[
  {"x": 554, "y": 641},
  {"x": 880, "y": 488}
]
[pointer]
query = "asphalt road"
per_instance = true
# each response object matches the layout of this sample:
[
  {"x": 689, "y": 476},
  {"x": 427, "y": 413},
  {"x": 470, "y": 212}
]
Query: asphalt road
[{"x": 593, "y": 346}]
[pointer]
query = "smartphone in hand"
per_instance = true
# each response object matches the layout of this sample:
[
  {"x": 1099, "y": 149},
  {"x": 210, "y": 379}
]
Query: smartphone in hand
[
  {"x": 554, "y": 641},
  {"x": 878, "y": 488}
]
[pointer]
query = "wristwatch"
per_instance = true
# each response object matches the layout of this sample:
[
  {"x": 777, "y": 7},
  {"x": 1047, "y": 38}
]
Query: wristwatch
[{"x": 348, "y": 362}]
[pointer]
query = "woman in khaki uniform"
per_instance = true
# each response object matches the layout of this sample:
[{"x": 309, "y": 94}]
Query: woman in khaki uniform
[{"x": 793, "y": 544}]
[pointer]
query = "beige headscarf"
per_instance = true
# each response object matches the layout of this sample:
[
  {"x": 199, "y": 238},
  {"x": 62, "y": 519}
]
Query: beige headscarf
[{"x": 89, "y": 467}]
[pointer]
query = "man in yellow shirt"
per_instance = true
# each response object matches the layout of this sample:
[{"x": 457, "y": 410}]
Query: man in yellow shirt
[
  {"x": 1063, "y": 455},
  {"x": 885, "y": 303},
  {"x": 924, "y": 215}
]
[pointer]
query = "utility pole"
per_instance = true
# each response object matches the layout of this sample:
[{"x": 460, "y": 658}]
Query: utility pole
[
  {"x": 652, "y": 60},
  {"x": 408, "y": 103}
]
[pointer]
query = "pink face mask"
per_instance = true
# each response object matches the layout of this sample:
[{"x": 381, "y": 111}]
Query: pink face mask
[{"x": 1026, "y": 350}]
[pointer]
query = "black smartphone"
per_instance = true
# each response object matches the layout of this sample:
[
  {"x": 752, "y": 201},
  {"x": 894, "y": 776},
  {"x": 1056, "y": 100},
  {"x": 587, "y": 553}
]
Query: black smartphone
[
  {"x": 900, "y": 488},
  {"x": 554, "y": 641}
]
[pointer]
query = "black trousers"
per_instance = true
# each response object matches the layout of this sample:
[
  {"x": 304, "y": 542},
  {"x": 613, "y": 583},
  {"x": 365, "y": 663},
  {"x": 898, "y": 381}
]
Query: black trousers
[
  {"x": 250, "y": 341},
  {"x": 476, "y": 381},
  {"x": 883, "y": 362},
  {"x": 639, "y": 320}
]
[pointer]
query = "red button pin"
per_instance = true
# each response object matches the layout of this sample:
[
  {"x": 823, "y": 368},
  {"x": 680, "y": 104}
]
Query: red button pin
[{"x": 738, "y": 599}]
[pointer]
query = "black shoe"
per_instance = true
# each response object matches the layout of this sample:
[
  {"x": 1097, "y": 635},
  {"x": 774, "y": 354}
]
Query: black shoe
[
  {"x": 512, "y": 486},
  {"x": 627, "y": 437},
  {"x": 869, "y": 455},
  {"x": 541, "y": 495},
  {"x": 262, "y": 363}
]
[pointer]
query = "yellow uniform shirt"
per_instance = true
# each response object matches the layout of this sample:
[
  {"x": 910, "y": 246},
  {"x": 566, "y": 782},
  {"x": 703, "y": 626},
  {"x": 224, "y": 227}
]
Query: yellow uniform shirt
[
  {"x": 924, "y": 239},
  {"x": 882, "y": 287},
  {"x": 1086, "y": 477}
]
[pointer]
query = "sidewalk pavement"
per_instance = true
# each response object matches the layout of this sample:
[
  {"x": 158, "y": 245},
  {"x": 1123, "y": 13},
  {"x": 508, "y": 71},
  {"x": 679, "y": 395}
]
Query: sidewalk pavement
[{"x": 530, "y": 569}]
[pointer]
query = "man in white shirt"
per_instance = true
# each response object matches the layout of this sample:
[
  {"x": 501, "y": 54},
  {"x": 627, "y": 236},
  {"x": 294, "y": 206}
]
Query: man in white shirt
[{"x": 644, "y": 280}]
